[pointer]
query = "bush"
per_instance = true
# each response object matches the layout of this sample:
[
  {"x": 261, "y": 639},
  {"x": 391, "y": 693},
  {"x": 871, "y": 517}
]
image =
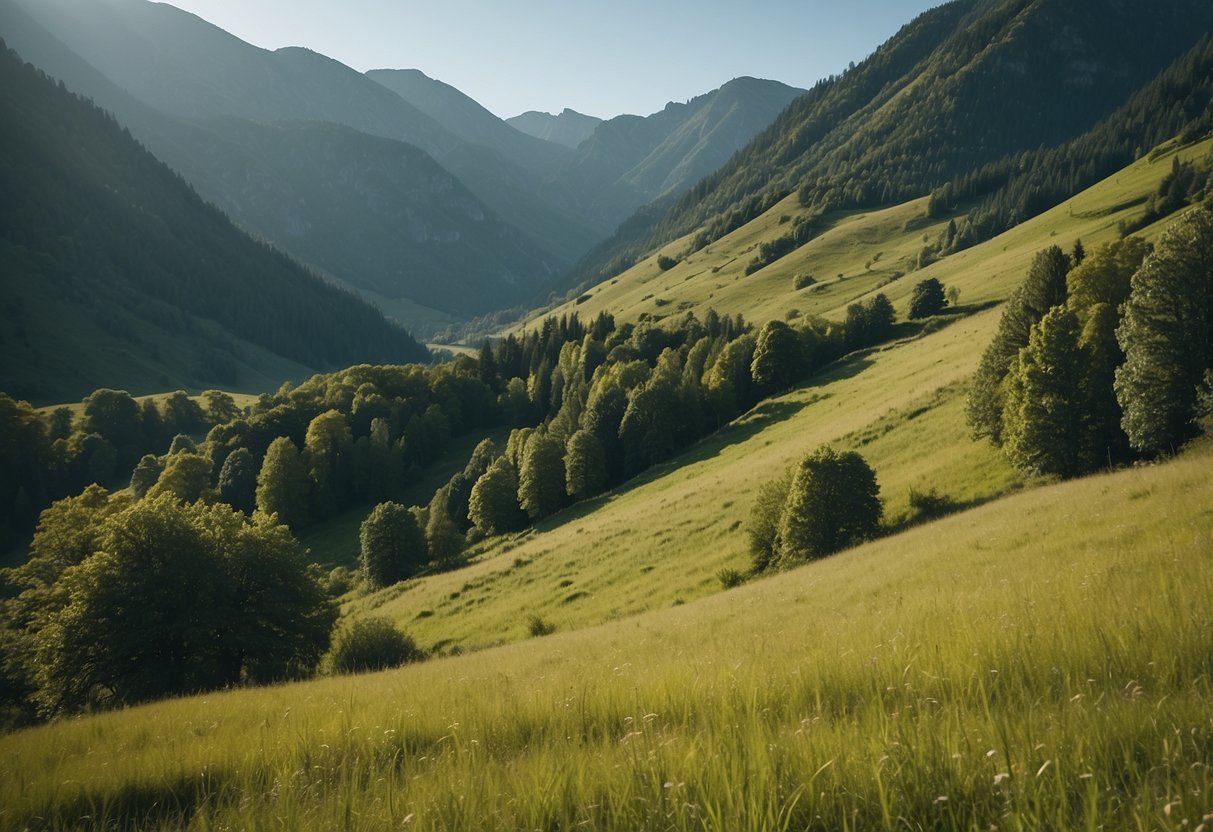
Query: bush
[
  {"x": 832, "y": 504},
  {"x": 666, "y": 263},
  {"x": 537, "y": 626},
  {"x": 803, "y": 281},
  {"x": 730, "y": 578},
  {"x": 371, "y": 644}
]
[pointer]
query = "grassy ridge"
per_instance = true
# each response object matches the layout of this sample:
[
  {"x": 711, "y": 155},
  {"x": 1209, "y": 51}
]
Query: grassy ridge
[
  {"x": 868, "y": 249},
  {"x": 1039, "y": 662}
]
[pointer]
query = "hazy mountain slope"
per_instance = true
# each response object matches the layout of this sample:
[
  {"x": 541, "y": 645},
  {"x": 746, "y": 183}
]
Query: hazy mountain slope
[
  {"x": 115, "y": 272},
  {"x": 376, "y": 214},
  {"x": 467, "y": 119},
  {"x": 962, "y": 85},
  {"x": 631, "y": 160},
  {"x": 182, "y": 65},
  {"x": 570, "y": 128}
]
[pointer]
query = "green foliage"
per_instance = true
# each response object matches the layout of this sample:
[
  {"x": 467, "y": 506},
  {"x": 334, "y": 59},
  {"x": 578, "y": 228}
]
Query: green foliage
[
  {"x": 927, "y": 299},
  {"x": 493, "y": 507},
  {"x": 145, "y": 475},
  {"x": 1165, "y": 336},
  {"x": 393, "y": 547},
  {"x": 327, "y": 449},
  {"x": 778, "y": 358},
  {"x": 585, "y": 465},
  {"x": 666, "y": 263},
  {"x": 186, "y": 476},
  {"x": 1044, "y": 416},
  {"x": 368, "y": 644},
  {"x": 833, "y": 502},
  {"x": 238, "y": 481},
  {"x": 1044, "y": 288},
  {"x": 177, "y": 598},
  {"x": 763, "y": 526},
  {"x": 541, "y": 479},
  {"x": 537, "y": 626},
  {"x": 1104, "y": 274},
  {"x": 282, "y": 483}
]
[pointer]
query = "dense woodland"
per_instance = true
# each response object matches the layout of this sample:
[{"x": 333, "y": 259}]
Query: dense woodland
[{"x": 589, "y": 406}]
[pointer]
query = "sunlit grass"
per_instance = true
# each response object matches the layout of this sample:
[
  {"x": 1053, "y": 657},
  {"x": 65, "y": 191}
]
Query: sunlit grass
[{"x": 1039, "y": 662}]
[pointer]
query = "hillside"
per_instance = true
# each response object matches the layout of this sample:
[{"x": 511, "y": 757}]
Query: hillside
[
  {"x": 963, "y": 85},
  {"x": 116, "y": 273},
  {"x": 569, "y": 128}
]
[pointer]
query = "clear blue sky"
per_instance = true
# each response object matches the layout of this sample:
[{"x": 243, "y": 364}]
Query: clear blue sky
[{"x": 601, "y": 58}]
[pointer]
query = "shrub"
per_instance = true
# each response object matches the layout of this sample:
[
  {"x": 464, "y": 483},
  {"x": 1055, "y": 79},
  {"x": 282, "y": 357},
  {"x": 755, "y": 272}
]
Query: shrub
[
  {"x": 730, "y": 578},
  {"x": 927, "y": 298},
  {"x": 832, "y": 504},
  {"x": 803, "y": 281},
  {"x": 371, "y": 644},
  {"x": 537, "y": 626},
  {"x": 666, "y": 263}
]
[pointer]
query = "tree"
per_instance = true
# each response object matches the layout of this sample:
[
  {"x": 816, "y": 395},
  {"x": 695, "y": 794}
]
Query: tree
[
  {"x": 763, "y": 525},
  {"x": 146, "y": 472},
  {"x": 927, "y": 299},
  {"x": 585, "y": 472},
  {"x": 392, "y": 545},
  {"x": 114, "y": 416},
  {"x": 1167, "y": 336},
  {"x": 238, "y": 481},
  {"x": 1104, "y": 442},
  {"x": 187, "y": 477},
  {"x": 541, "y": 480},
  {"x": 1044, "y": 288},
  {"x": 178, "y": 598},
  {"x": 183, "y": 415},
  {"x": 493, "y": 507},
  {"x": 833, "y": 502},
  {"x": 327, "y": 448},
  {"x": 1043, "y": 426},
  {"x": 282, "y": 484},
  {"x": 778, "y": 359},
  {"x": 1104, "y": 275},
  {"x": 220, "y": 407}
]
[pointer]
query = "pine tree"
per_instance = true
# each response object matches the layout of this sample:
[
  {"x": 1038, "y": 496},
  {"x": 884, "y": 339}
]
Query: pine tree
[{"x": 1167, "y": 336}]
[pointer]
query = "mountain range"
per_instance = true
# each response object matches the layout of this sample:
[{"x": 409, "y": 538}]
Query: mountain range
[{"x": 507, "y": 214}]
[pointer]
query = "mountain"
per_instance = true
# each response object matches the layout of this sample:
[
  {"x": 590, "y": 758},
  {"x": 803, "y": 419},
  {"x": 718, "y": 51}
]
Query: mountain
[
  {"x": 629, "y": 160},
  {"x": 570, "y": 128},
  {"x": 966, "y": 84},
  {"x": 467, "y": 119},
  {"x": 117, "y": 274},
  {"x": 376, "y": 214},
  {"x": 184, "y": 66}
]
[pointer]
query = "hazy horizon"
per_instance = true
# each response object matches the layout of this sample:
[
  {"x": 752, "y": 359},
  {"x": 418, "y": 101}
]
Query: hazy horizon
[{"x": 596, "y": 59}]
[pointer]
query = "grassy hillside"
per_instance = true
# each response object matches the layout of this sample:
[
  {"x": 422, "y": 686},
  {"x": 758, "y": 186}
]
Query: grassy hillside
[
  {"x": 862, "y": 252},
  {"x": 1040, "y": 662}
]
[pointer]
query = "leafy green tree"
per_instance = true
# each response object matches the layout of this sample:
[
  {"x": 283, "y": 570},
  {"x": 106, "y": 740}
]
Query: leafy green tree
[
  {"x": 145, "y": 475},
  {"x": 182, "y": 443},
  {"x": 1105, "y": 442},
  {"x": 178, "y": 598},
  {"x": 59, "y": 424},
  {"x": 282, "y": 483},
  {"x": 763, "y": 526},
  {"x": 778, "y": 358},
  {"x": 603, "y": 412},
  {"x": 183, "y": 415},
  {"x": 833, "y": 502},
  {"x": 1043, "y": 426},
  {"x": 927, "y": 298},
  {"x": 651, "y": 426},
  {"x": 238, "y": 481},
  {"x": 1103, "y": 275},
  {"x": 327, "y": 450},
  {"x": 1044, "y": 288},
  {"x": 370, "y": 644},
  {"x": 114, "y": 416},
  {"x": 493, "y": 507},
  {"x": 541, "y": 480},
  {"x": 392, "y": 545},
  {"x": 585, "y": 471},
  {"x": 729, "y": 385},
  {"x": 220, "y": 407},
  {"x": 443, "y": 537},
  {"x": 187, "y": 477},
  {"x": 1167, "y": 336}
]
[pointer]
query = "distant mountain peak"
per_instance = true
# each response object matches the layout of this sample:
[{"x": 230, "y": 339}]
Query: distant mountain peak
[{"x": 570, "y": 128}]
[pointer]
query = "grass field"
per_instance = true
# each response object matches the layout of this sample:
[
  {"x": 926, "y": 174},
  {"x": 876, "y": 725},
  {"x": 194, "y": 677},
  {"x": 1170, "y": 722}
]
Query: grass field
[{"x": 1043, "y": 661}]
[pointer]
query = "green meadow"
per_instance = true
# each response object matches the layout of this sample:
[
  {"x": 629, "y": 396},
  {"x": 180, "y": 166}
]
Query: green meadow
[{"x": 1040, "y": 659}]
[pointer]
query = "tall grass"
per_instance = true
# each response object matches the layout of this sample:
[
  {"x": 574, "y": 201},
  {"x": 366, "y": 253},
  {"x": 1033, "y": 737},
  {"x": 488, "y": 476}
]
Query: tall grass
[{"x": 1039, "y": 662}]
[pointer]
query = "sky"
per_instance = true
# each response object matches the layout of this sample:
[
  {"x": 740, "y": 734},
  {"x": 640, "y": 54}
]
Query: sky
[{"x": 597, "y": 57}]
